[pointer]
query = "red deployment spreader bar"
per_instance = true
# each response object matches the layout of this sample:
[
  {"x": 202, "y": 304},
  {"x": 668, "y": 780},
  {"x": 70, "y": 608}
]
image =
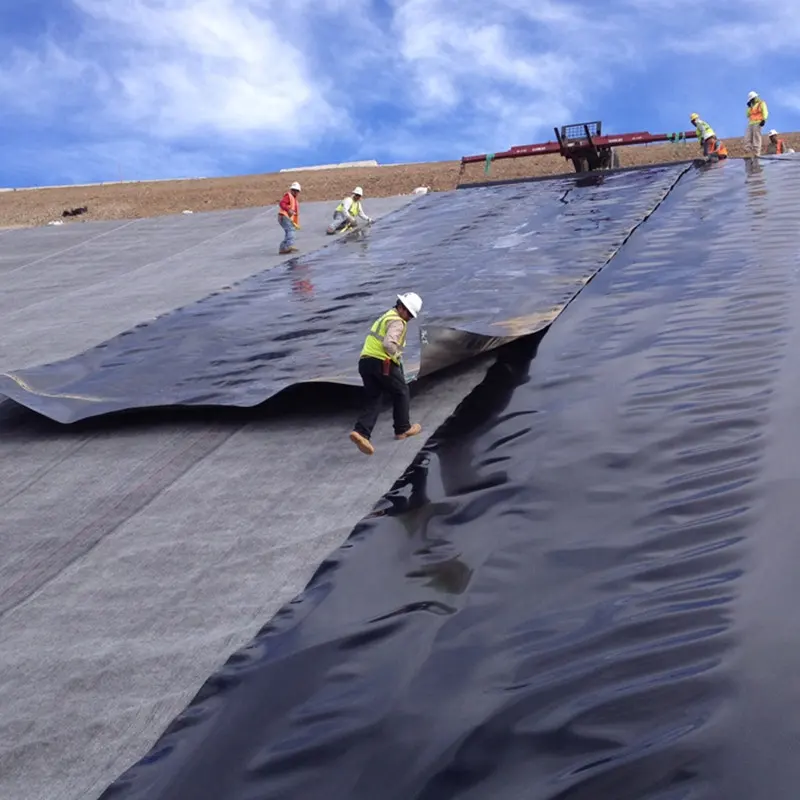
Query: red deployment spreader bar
[{"x": 573, "y": 146}]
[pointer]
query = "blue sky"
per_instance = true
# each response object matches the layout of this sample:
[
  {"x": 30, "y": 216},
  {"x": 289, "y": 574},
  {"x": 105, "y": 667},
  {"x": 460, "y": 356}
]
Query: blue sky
[{"x": 136, "y": 89}]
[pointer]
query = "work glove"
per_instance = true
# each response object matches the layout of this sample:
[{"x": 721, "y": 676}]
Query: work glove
[
  {"x": 369, "y": 220},
  {"x": 762, "y": 123}
]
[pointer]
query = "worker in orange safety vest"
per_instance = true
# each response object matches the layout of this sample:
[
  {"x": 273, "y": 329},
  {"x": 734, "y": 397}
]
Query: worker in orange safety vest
[
  {"x": 289, "y": 218},
  {"x": 757, "y": 114},
  {"x": 777, "y": 146}
]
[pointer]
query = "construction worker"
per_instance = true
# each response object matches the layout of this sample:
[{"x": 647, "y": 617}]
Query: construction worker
[
  {"x": 717, "y": 151},
  {"x": 777, "y": 146},
  {"x": 349, "y": 211},
  {"x": 381, "y": 370},
  {"x": 705, "y": 134},
  {"x": 289, "y": 218},
  {"x": 757, "y": 114}
]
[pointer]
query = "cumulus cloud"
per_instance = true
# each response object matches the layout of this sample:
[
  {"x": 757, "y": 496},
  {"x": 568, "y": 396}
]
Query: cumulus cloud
[
  {"x": 250, "y": 85},
  {"x": 177, "y": 71},
  {"x": 186, "y": 67}
]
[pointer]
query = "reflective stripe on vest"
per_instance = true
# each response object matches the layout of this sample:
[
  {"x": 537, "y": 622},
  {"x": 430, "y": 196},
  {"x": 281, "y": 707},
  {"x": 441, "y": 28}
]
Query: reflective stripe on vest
[
  {"x": 373, "y": 344},
  {"x": 755, "y": 112},
  {"x": 355, "y": 208},
  {"x": 704, "y": 130}
]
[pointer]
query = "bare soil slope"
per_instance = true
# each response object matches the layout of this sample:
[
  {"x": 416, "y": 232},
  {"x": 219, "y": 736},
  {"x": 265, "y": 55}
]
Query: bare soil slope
[{"x": 135, "y": 200}]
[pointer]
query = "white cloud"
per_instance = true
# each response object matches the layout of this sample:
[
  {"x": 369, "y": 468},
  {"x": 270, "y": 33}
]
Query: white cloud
[
  {"x": 189, "y": 67},
  {"x": 240, "y": 83},
  {"x": 747, "y": 30},
  {"x": 789, "y": 97},
  {"x": 503, "y": 71},
  {"x": 178, "y": 68}
]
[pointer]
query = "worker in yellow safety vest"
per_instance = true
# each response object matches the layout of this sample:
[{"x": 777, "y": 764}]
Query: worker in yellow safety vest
[
  {"x": 757, "y": 114},
  {"x": 348, "y": 212},
  {"x": 381, "y": 369},
  {"x": 707, "y": 138}
]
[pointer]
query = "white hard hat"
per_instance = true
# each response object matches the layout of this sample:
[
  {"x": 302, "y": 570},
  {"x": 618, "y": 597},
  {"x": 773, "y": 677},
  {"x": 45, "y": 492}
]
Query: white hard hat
[
  {"x": 359, "y": 191},
  {"x": 412, "y": 301},
  {"x": 773, "y": 132},
  {"x": 295, "y": 185},
  {"x": 752, "y": 96}
]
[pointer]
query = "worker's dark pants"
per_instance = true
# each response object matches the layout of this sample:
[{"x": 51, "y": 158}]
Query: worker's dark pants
[{"x": 376, "y": 384}]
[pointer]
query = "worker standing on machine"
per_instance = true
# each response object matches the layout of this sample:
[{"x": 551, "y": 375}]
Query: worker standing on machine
[
  {"x": 289, "y": 218},
  {"x": 381, "y": 370},
  {"x": 757, "y": 114},
  {"x": 348, "y": 212}
]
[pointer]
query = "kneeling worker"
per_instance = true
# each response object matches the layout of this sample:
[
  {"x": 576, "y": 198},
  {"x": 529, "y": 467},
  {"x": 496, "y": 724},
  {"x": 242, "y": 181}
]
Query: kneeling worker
[
  {"x": 348, "y": 211},
  {"x": 381, "y": 370},
  {"x": 776, "y": 145}
]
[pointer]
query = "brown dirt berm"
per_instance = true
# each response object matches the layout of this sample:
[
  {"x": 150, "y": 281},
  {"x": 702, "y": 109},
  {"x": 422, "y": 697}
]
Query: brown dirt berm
[{"x": 136, "y": 200}]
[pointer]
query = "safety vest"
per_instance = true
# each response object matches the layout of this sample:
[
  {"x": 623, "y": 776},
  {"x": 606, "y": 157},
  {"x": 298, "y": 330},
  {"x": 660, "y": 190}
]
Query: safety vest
[
  {"x": 757, "y": 113},
  {"x": 355, "y": 208},
  {"x": 720, "y": 149},
  {"x": 776, "y": 148},
  {"x": 704, "y": 130},
  {"x": 294, "y": 213},
  {"x": 373, "y": 344}
]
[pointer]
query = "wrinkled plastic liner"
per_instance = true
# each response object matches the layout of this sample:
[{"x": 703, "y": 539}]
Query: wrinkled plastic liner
[
  {"x": 491, "y": 264},
  {"x": 584, "y": 585}
]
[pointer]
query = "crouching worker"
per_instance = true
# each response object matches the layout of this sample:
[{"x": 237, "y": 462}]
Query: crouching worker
[
  {"x": 348, "y": 212},
  {"x": 717, "y": 150},
  {"x": 777, "y": 146},
  {"x": 381, "y": 370}
]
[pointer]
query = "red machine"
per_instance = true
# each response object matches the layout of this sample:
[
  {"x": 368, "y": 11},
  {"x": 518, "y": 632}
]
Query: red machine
[{"x": 584, "y": 145}]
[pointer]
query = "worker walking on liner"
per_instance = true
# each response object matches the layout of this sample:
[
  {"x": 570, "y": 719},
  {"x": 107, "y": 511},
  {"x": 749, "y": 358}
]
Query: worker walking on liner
[
  {"x": 757, "y": 114},
  {"x": 348, "y": 212},
  {"x": 289, "y": 218},
  {"x": 777, "y": 146},
  {"x": 381, "y": 370}
]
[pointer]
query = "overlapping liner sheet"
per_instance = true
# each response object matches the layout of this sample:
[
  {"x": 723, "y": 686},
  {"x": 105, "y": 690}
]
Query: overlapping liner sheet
[
  {"x": 583, "y": 586},
  {"x": 491, "y": 264}
]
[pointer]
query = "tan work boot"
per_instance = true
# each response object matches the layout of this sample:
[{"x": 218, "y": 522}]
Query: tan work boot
[
  {"x": 362, "y": 443},
  {"x": 412, "y": 431}
]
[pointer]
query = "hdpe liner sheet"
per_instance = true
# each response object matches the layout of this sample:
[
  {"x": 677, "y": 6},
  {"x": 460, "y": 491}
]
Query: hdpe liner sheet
[
  {"x": 491, "y": 264},
  {"x": 584, "y": 587}
]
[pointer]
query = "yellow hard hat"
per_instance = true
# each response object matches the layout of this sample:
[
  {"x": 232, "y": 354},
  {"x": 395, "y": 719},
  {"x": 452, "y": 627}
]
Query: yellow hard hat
[{"x": 694, "y": 116}]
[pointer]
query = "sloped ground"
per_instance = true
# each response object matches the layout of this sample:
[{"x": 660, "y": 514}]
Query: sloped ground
[
  {"x": 584, "y": 587},
  {"x": 130, "y": 201},
  {"x": 160, "y": 542}
]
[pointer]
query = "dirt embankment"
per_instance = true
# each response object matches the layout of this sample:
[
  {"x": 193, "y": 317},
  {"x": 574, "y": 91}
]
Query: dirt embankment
[{"x": 136, "y": 200}]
